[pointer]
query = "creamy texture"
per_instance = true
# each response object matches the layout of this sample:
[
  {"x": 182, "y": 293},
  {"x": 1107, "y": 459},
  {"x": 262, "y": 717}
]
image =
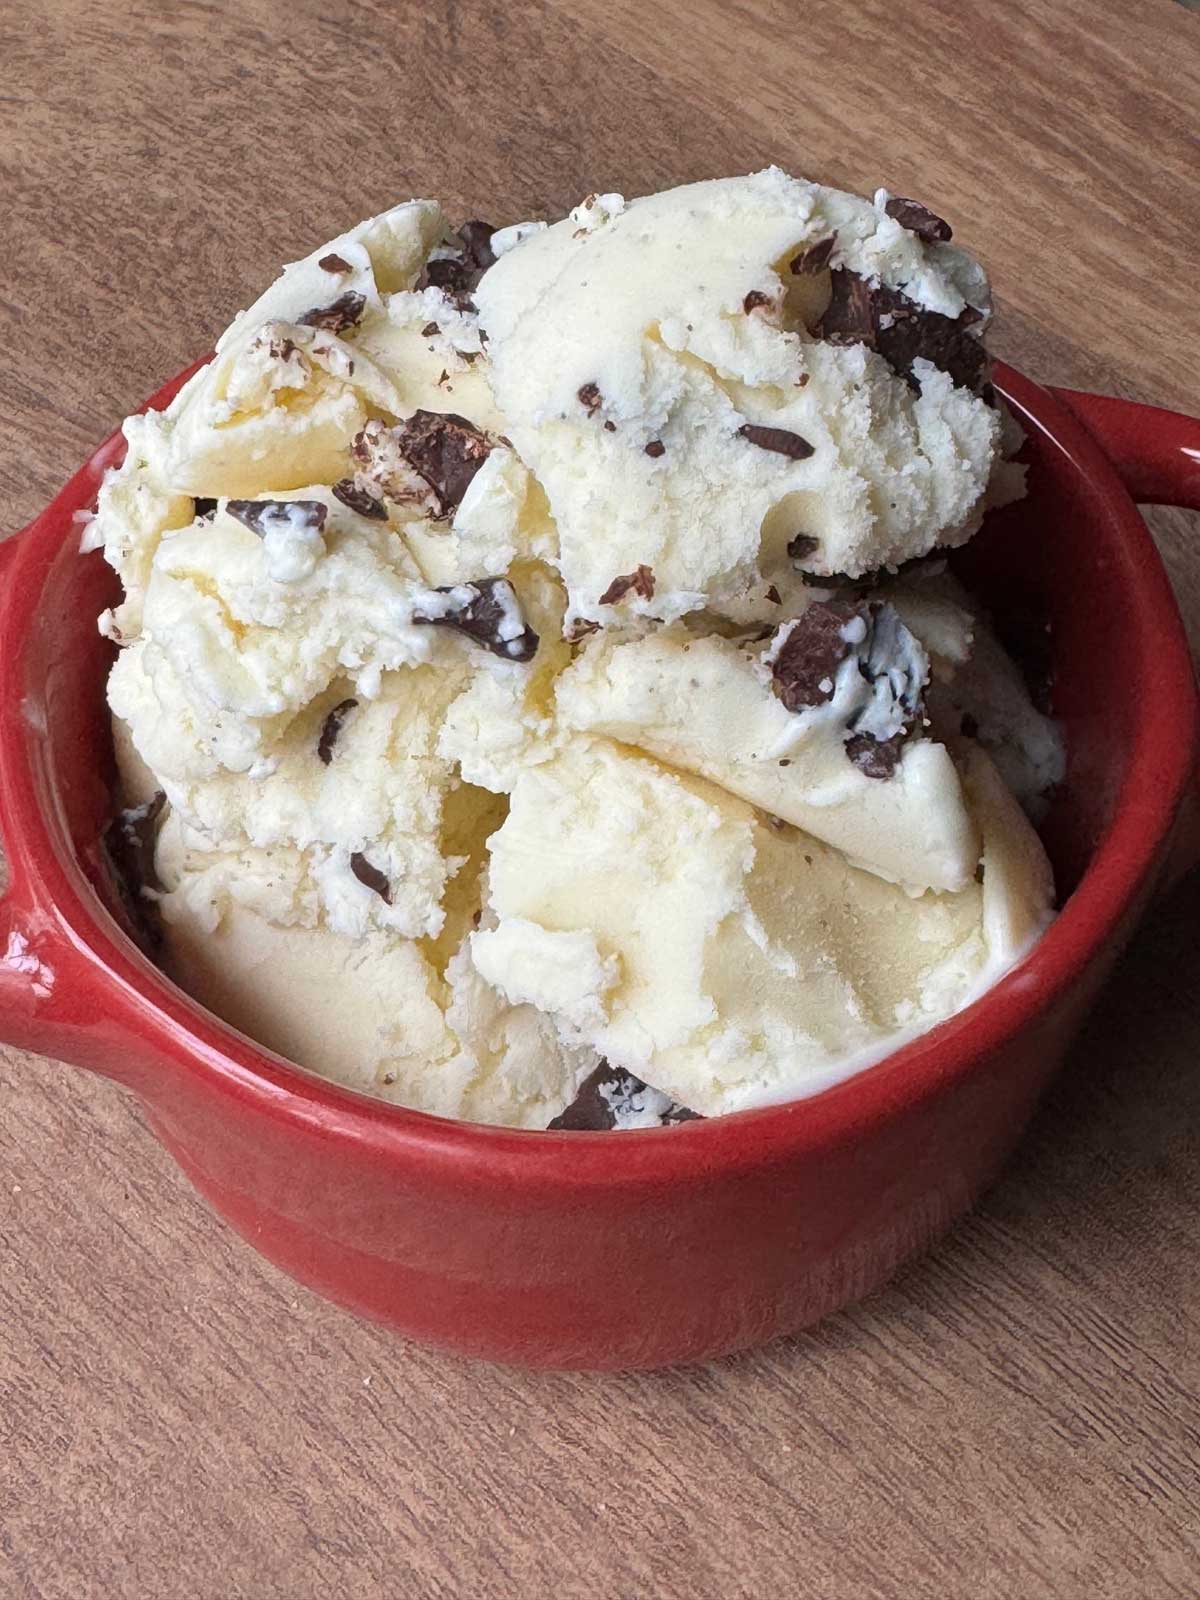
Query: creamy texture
[{"x": 467, "y": 631}]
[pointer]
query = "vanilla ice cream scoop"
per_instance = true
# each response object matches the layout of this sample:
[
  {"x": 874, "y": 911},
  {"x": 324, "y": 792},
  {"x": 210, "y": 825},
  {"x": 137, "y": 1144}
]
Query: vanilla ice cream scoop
[{"x": 521, "y": 715}]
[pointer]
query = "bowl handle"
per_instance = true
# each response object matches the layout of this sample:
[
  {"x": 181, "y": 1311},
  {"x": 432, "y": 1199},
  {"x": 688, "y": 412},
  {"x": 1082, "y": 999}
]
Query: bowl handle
[{"x": 1157, "y": 456}]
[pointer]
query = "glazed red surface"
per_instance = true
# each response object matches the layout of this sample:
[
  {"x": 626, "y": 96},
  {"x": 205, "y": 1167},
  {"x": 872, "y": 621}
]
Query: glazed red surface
[{"x": 638, "y": 1249}]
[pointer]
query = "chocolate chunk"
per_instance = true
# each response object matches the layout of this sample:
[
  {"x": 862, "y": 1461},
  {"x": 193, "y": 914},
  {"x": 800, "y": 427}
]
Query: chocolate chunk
[
  {"x": 487, "y": 611},
  {"x": 805, "y": 667},
  {"x": 655, "y": 449},
  {"x": 458, "y": 275},
  {"x": 918, "y": 219},
  {"x": 261, "y": 515},
  {"x": 340, "y": 316},
  {"x": 476, "y": 239},
  {"x": 781, "y": 440},
  {"x": 590, "y": 398},
  {"x": 371, "y": 877},
  {"x": 641, "y": 582},
  {"x": 203, "y": 506},
  {"x": 813, "y": 260},
  {"x": 610, "y": 1096},
  {"x": 579, "y": 629},
  {"x": 802, "y": 545},
  {"x": 428, "y": 331},
  {"x": 331, "y": 728},
  {"x": 360, "y": 500},
  {"x": 129, "y": 844},
  {"x": 877, "y": 758},
  {"x": 902, "y": 331},
  {"x": 446, "y": 450},
  {"x": 754, "y": 300},
  {"x": 774, "y": 596},
  {"x": 334, "y": 263},
  {"x": 609, "y": 425}
]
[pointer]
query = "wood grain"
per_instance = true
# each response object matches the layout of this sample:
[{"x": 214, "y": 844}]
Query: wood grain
[{"x": 1018, "y": 1414}]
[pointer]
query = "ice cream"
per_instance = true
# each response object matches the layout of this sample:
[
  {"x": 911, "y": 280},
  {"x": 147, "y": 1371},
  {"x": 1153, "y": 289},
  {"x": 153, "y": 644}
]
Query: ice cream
[{"x": 540, "y": 644}]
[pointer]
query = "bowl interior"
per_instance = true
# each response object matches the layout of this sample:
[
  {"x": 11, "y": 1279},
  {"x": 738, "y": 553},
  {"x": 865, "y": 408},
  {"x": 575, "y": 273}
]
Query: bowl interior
[{"x": 1069, "y": 575}]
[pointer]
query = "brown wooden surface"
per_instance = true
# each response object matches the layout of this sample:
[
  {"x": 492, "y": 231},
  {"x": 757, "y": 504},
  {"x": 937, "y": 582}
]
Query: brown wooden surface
[{"x": 1018, "y": 1414}]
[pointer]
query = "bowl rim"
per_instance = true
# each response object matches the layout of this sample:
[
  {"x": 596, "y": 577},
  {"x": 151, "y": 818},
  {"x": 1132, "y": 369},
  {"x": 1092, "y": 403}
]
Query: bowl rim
[{"x": 153, "y": 1013}]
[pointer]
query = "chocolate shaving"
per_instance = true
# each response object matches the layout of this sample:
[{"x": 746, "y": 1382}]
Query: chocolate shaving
[
  {"x": 360, "y": 500},
  {"x": 331, "y": 729},
  {"x": 430, "y": 328},
  {"x": 446, "y": 450},
  {"x": 781, "y": 440},
  {"x": 655, "y": 449},
  {"x": 802, "y": 545},
  {"x": 487, "y": 611},
  {"x": 902, "y": 331},
  {"x": 918, "y": 219},
  {"x": 640, "y": 581},
  {"x": 590, "y": 398},
  {"x": 260, "y": 515},
  {"x": 877, "y": 758},
  {"x": 592, "y": 1111},
  {"x": 334, "y": 263},
  {"x": 579, "y": 629},
  {"x": 340, "y": 316},
  {"x": 754, "y": 300},
  {"x": 371, "y": 877},
  {"x": 813, "y": 260},
  {"x": 129, "y": 843}
]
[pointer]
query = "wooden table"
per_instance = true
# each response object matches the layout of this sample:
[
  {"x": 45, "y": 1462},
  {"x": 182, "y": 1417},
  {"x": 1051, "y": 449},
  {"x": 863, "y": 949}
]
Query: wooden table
[{"x": 1017, "y": 1415}]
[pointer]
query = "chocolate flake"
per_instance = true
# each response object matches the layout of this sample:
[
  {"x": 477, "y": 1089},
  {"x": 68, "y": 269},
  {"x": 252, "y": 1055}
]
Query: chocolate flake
[
  {"x": 203, "y": 507},
  {"x": 430, "y": 328},
  {"x": 590, "y": 398},
  {"x": 360, "y": 500},
  {"x": 918, "y": 219},
  {"x": 489, "y": 612},
  {"x": 331, "y": 729},
  {"x": 813, "y": 260},
  {"x": 261, "y": 515},
  {"x": 754, "y": 300},
  {"x": 458, "y": 275},
  {"x": 878, "y": 758},
  {"x": 371, "y": 877},
  {"x": 334, "y": 263},
  {"x": 774, "y": 596},
  {"x": 609, "y": 425},
  {"x": 802, "y": 545},
  {"x": 902, "y": 332},
  {"x": 579, "y": 629},
  {"x": 610, "y": 1093},
  {"x": 446, "y": 450},
  {"x": 655, "y": 449},
  {"x": 781, "y": 440},
  {"x": 339, "y": 316},
  {"x": 640, "y": 581}
]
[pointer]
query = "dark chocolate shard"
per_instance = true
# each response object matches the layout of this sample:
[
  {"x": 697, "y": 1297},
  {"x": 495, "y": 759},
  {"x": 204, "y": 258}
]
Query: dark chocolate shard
[
  {"x": 590, "y": 398},
  {"x": 334, "y": 263},
  {"x": 806, "y": 665},
  {"x": 774, "y": 596},
  {"x": 780, "y": 440},
  {"x": 476, "y": 239},
  {"x": 878, "y": 758},
  {"x": 458, "y": 274},
  {"x": 260, "y": 516},
  {"x": 918, "y": 219},
  {"x": 807, "y": 263},
  {"x": 611, "y": 1098},
  {"x": 640, "y": 582},
  {"x": 755, "y": 300},
  {"x": 802, "y": 545},
  {"x": 902, "y": 331},
  {"x": 487, "y": 611},
  {"x": 889, "y": 661},
  {"x": 371, "y": 877},
  {"x": 579, "y": 629},
  {"x": 339, "y": 316},
  {"x": 360, "y": 500},
  {"x": 446, "y": 450},
  {"x": 129, "y": 842},
  {"x": 428, "y": 331},
  {"x": 331, "y": 728},
  {"x": 655, "y": 449},
  {"x": 203, "y": 506}
]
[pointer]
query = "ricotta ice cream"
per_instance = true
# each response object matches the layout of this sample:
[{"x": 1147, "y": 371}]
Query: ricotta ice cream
[{"x": 540, "y": 694}]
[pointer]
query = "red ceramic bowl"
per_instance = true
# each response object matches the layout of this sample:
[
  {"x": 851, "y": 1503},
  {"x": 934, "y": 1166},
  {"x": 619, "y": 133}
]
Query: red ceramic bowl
[{"x": 619, "y": 1250}]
